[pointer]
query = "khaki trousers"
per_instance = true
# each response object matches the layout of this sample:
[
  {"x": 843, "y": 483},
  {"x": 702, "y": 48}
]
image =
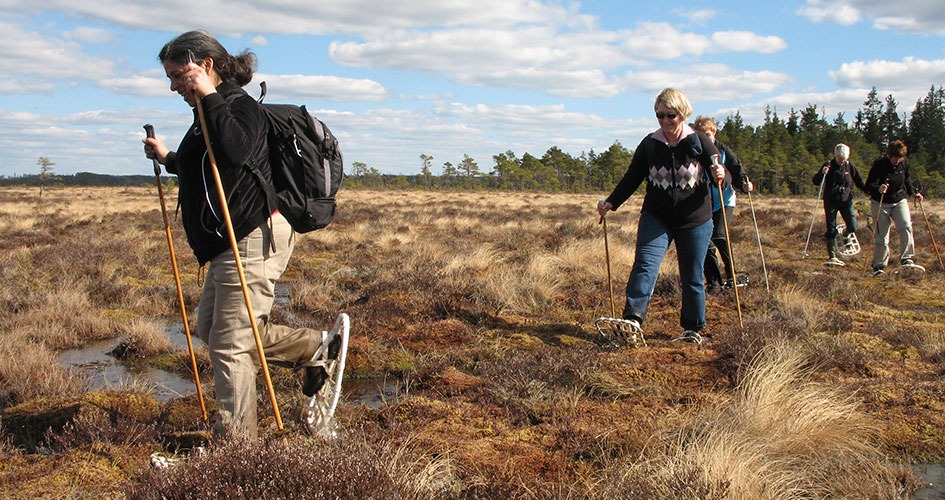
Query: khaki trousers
[
  {"x": 223, "y": 323},
  {"x": 884, "y": 216}
]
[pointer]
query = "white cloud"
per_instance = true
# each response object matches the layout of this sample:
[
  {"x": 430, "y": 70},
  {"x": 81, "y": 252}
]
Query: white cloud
[
  {"x": 908, "y": 16},
  {"x": 561, "y": 64},
  {"x": 356, "y": 17},
  {"x": 910, "y": 74},
  {"x": 746, "y": 41},
  {"x": 90, "y": 35},
  {"x": 524, "y": 119},
  {"x": 705, "y": 82},
  {"x": 829, "y": 11},
  {"x": 29, "y": 53},
  {"x": 695, "y": 16},
  {"x": 322, "y": 88},
  {"x": 16, "y": 86},
  {"x": 663, "y": 41},
  {"x": 139, "y": 85},
  {"x": 259, "y": 41}
]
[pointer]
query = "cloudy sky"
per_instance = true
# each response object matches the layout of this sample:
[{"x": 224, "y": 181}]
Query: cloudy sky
[{"x": 394, "y": 80}]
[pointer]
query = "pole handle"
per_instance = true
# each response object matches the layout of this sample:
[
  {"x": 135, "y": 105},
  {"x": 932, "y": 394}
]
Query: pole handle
[{"x": 149, "y": 130}]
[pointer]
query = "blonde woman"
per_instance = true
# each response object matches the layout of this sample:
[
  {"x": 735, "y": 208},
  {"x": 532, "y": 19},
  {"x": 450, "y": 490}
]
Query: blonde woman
[{"x": 680, "y": 167}]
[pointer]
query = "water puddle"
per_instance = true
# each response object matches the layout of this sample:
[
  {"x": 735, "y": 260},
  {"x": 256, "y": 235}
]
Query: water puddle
[
  {"x": 373, "y": 393},
  {"x": 933, "y": 477},
  {"x": 105, "y": 372}
]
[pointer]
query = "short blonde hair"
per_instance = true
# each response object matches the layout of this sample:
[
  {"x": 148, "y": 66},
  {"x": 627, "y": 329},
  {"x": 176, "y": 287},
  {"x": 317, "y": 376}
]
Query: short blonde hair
[
  {"x": 841, "y": 151},
  {"x": 674, "y": 100},
  {"x": 706, "y": 124}
]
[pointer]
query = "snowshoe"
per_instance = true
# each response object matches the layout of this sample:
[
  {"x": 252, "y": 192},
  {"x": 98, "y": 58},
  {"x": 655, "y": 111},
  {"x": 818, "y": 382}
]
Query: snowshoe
[
  {"x": 850, "y": 246},
  {"x": 620, "y": 332},
  {"x": 317, "y": 414}
]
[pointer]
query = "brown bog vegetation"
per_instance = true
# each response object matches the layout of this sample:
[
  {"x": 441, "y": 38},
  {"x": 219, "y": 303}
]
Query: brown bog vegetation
[{"x": 472, "y": 330}]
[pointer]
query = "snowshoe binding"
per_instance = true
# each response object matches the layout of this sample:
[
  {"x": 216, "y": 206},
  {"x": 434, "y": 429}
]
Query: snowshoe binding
[
  {"x": 849, "y": 246},
  {"x": 323, "y": 378}
]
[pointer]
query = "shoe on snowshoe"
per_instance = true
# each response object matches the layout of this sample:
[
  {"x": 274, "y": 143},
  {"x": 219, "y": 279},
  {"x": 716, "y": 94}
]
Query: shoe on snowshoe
[
  {"x": 850, "y": 246},
  {"x": 909, "y": 264},
  {"x": 833, "y": 261},
  {"x": 620, "y": 332},
  {"x": 690, "y": 336}
]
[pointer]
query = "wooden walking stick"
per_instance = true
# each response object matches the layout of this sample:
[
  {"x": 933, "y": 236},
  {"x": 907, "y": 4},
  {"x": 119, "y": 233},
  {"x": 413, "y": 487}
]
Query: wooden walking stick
[
  {"x": 236, "y": 255},
  {"x": 731, "y": 256},
  {"x": 149, "y": 129},
  {"x": 617, "y": 331},
  {"x": 610, "y": 283},
  {"x": 929, "y": 224}
]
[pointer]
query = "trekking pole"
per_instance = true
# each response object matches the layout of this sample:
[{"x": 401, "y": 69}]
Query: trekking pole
[
  {"x": 879, "y": 210},
  {"x": 814, "y": 215},
  {"x": 758, "y": 236},
  {"x": 610, "y": 282},
  {"x": 236, "y": 255},
  {"x": 731, "y": 256},
  {"x": 929, "y": 224},
  {"x": 149, "y": 129}
]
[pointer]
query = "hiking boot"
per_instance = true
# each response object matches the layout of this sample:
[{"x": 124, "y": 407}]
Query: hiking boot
[
  {"x": 690, "y": 336},
  {"x": 878, "y": 272},
  {"x": 833, "y": 261},
  {"x": 316, "y": 375}
]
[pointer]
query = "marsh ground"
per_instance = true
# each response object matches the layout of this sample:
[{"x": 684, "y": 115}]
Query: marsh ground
[{"x": 475, "y": 310}]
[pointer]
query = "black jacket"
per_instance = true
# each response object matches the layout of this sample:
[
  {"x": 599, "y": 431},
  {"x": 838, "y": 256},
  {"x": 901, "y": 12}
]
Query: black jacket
[
  {"x": 676, "y": 187},
  {"x": 898, "y": 178},
  {"x": 238, "y": 128},
  {"x": 838, "y": 186}
]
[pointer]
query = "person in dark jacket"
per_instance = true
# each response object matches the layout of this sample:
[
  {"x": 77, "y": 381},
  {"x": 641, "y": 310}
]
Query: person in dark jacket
[
  {"x": 198, "y": 66},
  {"x": 890, "y": 185},
  {"x": 718, "y": 245},
  {"x": 680, "y": 166},
  {"x": 838, "y": 176}
]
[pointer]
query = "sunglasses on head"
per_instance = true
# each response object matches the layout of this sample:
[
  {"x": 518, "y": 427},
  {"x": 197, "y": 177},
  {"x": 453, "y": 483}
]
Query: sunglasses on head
[{"x": 660, "y": 116}]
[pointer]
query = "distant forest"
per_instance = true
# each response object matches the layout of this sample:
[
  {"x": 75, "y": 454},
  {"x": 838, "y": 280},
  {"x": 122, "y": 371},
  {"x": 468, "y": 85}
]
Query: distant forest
[{"x": 781, "y": 155}]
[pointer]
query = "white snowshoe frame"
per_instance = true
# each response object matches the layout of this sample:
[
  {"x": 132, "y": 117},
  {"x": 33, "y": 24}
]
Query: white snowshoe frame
[
  {"x": 620, "y": 332},
  {"x": 318, "y": 418},
  {"x": 849, "y": 245}
]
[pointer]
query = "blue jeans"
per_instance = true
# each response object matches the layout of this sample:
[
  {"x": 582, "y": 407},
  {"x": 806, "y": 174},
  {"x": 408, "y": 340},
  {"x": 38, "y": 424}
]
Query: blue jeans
[
  {"x": 653, "y": 239},
  {"x": 846, "y": 212}
]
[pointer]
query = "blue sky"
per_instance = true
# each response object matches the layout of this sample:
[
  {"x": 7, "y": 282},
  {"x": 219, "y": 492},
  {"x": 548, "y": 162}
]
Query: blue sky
[{"x": 445, "y": 78}]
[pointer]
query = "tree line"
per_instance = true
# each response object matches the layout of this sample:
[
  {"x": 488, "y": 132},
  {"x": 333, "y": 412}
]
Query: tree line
[{"x": 781, "y": 155}]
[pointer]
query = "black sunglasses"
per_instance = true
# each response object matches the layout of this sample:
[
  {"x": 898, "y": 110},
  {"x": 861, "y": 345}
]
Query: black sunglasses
[{"x": 660, "y": 116}]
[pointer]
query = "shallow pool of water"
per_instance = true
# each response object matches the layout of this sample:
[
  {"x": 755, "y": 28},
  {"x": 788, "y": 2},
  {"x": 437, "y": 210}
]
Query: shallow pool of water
[
  {"x": 933, "y": 477},
  {"x": 104, "y": 372}
]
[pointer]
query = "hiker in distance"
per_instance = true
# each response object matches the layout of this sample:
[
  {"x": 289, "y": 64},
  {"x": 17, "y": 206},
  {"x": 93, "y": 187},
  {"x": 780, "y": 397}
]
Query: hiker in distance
[
  {"x": 680, "y": 166},
  {"x": 718, "y": 245},
  {"x": 890, "y": 184},
  {"x": 838, "y": 176},
  {"x": 198, "y": 66}
]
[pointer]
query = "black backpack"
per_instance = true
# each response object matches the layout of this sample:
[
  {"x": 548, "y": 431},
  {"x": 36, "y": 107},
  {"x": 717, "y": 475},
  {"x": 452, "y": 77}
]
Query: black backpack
[{"x": 307, "y": 165}]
